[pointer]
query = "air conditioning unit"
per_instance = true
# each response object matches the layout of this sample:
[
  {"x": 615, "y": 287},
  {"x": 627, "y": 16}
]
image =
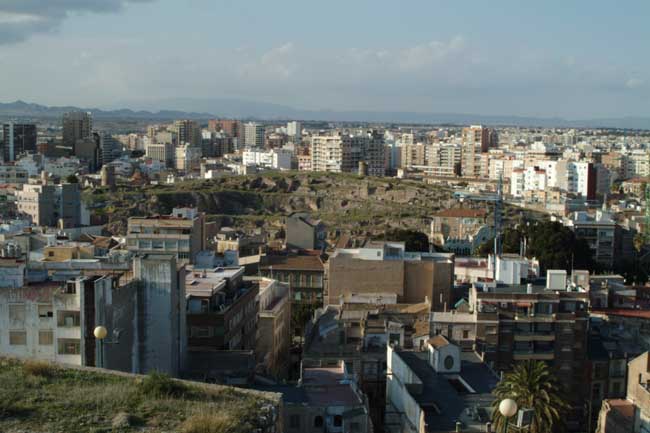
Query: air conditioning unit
[{"x": 524, "y": 417}]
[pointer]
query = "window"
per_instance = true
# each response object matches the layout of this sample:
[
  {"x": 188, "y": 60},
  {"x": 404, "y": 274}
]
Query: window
[
  {"x": 318, "y": 421},
  {"x": 50, "y": 253},
  {"x": 294, "y": 421},
  {"x": 70, "y": 289},
  {"x": 45, "y": 338},
  {"x": 68, "y": 319},
  {"x": 17, "y": 338},
  {"x": 465, "y": 334},
  {"x": 45, "y": 312},
  {"x": 338, "y": 420},
  {"x": 68, "y": 346},
  {"x": 17, "y": 313}
]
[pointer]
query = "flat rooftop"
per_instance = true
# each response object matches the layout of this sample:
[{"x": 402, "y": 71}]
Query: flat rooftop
[
  {"x": 312, "y": 263},
  {"x": 205, "y": 283},
  {"x": 443, "y": 404}
]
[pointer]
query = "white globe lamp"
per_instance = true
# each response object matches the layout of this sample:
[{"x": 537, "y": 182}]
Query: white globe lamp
[
  {"x": 100, "y": 332},
  {"x": 507, "y": 408}
]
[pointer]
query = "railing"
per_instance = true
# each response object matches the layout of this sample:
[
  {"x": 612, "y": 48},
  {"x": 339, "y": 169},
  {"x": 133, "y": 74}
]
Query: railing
[
  {"x": 534, "y": 336},
  {"x": 534, "y": 354}
]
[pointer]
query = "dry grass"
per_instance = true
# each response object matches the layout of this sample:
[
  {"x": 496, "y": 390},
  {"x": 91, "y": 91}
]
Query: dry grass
[
  {"x": 39, "y": 369},
  {"x": 211, "y": 423},
  {"x": 37, "y": 396}
]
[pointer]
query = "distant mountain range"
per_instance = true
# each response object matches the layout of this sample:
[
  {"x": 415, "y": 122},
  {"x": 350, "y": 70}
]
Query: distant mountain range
[{"x": 202, "y": 109}]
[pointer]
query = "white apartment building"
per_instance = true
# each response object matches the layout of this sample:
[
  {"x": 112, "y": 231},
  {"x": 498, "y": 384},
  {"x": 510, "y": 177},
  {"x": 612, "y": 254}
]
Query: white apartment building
[
  {"x": 61, "y": 167},
  {"x": 187, "y": 157},
  {"x": 13, "y": 174},
  {"x": 570, "y": 176},
  {"x": 253, "y": 135},
  {"x": 294, "y": 129},
  {"x": 342, "y": 153},
  {"x": 637, "y": 163},
  {"x": 43, "y": 321},
  {"x": 163, "y": 152},
  {"x": 503, "y": 167},
  {"x": 276, "y": 159}
]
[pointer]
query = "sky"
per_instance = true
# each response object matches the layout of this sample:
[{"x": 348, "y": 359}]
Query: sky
[{"x": 574, "y": 59}]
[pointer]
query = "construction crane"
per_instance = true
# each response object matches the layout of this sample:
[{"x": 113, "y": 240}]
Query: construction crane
[
  {"x": 497, "y": 199},
  {"x": 646, "y": 223}
]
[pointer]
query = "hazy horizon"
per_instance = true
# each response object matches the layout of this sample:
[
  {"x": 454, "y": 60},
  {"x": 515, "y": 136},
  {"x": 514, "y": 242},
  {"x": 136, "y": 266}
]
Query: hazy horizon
[{"x": 569, "y": 60}]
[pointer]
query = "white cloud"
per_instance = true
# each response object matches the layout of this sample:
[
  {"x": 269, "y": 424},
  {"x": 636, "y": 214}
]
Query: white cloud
[
  {"x": 421, "y": 56},
  {"x": 279, "y": 60},
  {"x": 20, "y": 19},
  {"x": 634, "y": 83}
]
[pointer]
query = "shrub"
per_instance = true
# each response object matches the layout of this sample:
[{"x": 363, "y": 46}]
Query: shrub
[
  {"x": 160, "y": 384},
  {"x": 39, "y": 369}
]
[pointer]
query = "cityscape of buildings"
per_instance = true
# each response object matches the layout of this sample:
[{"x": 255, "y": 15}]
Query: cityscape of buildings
[{"x": 356, "y": 334}]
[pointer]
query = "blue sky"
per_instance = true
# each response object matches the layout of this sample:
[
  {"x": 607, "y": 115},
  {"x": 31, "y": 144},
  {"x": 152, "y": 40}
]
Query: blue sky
[{"x": 574, "y": 59}]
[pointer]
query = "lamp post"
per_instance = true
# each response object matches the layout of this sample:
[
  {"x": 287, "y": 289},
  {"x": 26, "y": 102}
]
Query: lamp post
[
  {"x": 100, "y": 334},
  {"x": 507, "y": 408}
]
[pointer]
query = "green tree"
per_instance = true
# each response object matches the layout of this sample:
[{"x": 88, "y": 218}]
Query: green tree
[
  {"x": 413, "y": 239},
  {"x": 555, "y": 246},
  {"x": 532, "y": 385},
  {"x": 72, "y": 179}
]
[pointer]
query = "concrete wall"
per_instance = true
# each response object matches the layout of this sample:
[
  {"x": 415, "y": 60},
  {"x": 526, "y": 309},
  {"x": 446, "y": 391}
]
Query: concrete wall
[
  {"x": 161, "y": 300},
  {"x": 638, "y": 374},
  {"x": 430, "y": 279},
  {"x": 348, "y": 275},
  {"x": 300, "y": 234},
  {"x": 274, "y": 329},
  {"x": 399, "y": 375}
]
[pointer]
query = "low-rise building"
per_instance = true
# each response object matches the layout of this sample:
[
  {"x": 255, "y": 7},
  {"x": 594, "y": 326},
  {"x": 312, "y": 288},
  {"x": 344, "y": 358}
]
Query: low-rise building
[
  {"x": 273, "y": 328},
  {"x": 221, "y": 310},
  {"x": 304, "y": 232},
  {"x": 525, "y": 322},
  {"x": 600, "y": 232},
  {"x": 183, "y": 233},
  {"x": 439, "y": 390},
  {"x": 631, "y": 414},
  {"x": 326, "y": 400},
  {"x": 388, "y": 269},
  {"x": 357, "y": 334},
  {"x": 304, "y": 273}
]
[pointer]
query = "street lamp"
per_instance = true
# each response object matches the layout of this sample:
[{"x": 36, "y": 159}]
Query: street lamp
[
  {"x": 100, "y": 333},
  {"x": 507, "y": 408}
]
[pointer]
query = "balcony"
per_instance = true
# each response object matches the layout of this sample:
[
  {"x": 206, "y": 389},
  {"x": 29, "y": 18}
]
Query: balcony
[
  {"x": 522, "y": 355},
  {"x": 535, "y": 317},
  {"x": 534, "y": 336}
]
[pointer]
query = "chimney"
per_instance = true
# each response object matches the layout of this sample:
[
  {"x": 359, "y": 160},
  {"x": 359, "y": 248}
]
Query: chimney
[
  {"x": 488, "y": 427},
  {"x": 529, "y": 289}
]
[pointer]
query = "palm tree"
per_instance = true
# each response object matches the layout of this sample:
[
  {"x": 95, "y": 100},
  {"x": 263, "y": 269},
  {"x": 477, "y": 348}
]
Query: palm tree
[{"x": 532, "y": 385}]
